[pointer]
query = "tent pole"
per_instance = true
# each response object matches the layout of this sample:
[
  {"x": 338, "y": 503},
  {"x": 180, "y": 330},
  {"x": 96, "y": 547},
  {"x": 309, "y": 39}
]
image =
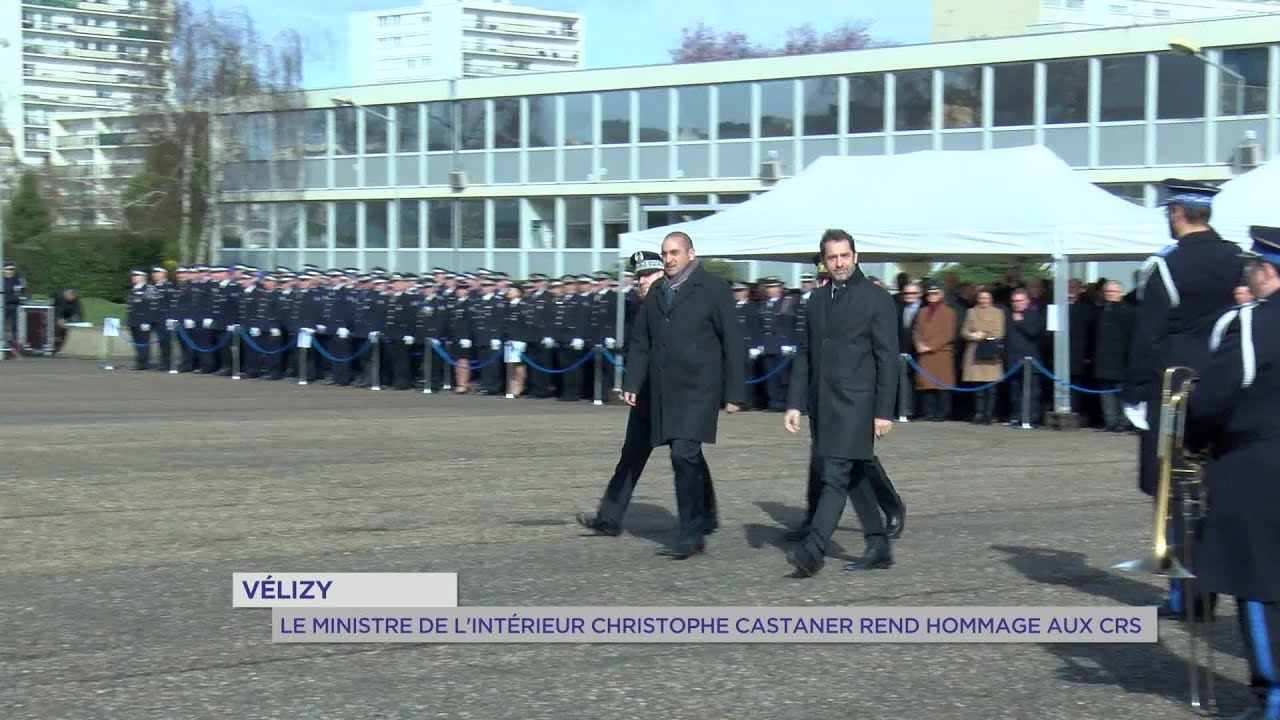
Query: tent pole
[
  {"x": 621, "y": 319},
  {"x": 1062, "y": 417}
]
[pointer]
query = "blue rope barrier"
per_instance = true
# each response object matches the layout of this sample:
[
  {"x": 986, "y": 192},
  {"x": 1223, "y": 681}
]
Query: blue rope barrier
[
  {"x": 186, "y": 340},
  {"x": 261, "y": 350},
  {"x": 753, "y": 381},
  {"x": 551, "y": 371},
  {"x": 444, "y": 355},
  {"x": 315, "y": 345},
  {"x": 916, "y": 366},
  {"x": 1059, "y": 381}
]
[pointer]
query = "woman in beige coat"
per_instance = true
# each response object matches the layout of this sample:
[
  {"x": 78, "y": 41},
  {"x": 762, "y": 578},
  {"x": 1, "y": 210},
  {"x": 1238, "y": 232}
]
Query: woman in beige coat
[{"x": 983, "y": 326}]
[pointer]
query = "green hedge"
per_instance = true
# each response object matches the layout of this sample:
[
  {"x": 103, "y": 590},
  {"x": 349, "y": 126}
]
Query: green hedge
[{"x": 96, "y": 263}]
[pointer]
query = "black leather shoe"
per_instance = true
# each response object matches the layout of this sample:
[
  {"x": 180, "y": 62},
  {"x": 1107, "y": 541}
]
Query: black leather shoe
[
  {"x": 896, "y": 523},
  {"x": 681, "y": 552},
  {"x": 803, "y": 563},
  {"x": 877, "y": 556},
  {"x": 592, "y": 522}
]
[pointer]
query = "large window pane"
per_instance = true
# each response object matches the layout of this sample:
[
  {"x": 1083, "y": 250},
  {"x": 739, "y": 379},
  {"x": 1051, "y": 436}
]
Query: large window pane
[
  {"x": 409, "y": 221},
  {"x": 694, "y": 113},
  {"x": 407, "y": 140},
  {"x": 962, "y": 97},
  {"x": 914, "y": 109},
  {"x": 577, "y": 222},
  {"x": 471, "y": 217},
  {"x": 1180, "y": 93},
  {"x": 288, "y": 134},
  {"x": 317, "y": 225},
  {"x": 1124, "y": 82},
  {"x": 375, "y": 132},
  {"x": 615, "y": 118},
  {"x": 506, "y": 123},
  {"x": 344, "y": 131},
  {"x": 577, "y": 120},
  {"x": 1250, "y": 96},
  {"x": 375, "y": 223},
  {"x": 440, "y": 135},
  {"x": 471, "y": 124},
  {"x": 821, "y": 106},
  {"x": 1133, "y": 192},
  {"x": 542, "y": 121},
  {"x": 316, "y": 139},
  {"x": 440, "y": 223},
  {"x": 653, "y": 108},
  {"x": 289, "y": 225},
  {"x": 344, "y": 226},
  {"x": 866, "y": 103},
  {"x": 506, "y": 223},
  {"x": 1066, "y": 98},
  {"x": 777, "y": 110},
  {"x": 1014, "y": 95},
  {"x": 734, "y": 120},
  {"x": 615, "y": 219},
  {"x": 234, "y": 225}
]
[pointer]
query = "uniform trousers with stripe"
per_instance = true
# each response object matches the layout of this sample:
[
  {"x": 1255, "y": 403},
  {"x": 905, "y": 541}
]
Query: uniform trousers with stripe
[{"x": 1260, "y": 626}]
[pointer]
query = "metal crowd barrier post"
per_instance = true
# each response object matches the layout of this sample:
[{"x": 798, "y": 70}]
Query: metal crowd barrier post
[
  {"x": 376, "y": 358},
  {"x": 1027, "y": 369},
  {"x": 427, "y": 352},
  {"x": 235, "y": 352},
  {"x": 302, "y": 362},
  {"x": 175, "y": 350},
  {"x": 904, "y": 389},
  {"x": 108, "y": 353},
  {"x": 617, "y": 370},
  {"x": 448, "y": 374},
  {"x": 598, "y": 363},
  {"x": 509, "y": 373}
]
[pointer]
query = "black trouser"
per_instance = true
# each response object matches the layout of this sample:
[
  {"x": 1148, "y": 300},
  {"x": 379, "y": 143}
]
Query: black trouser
[
  {"x": 210, "y": 358},
  {"x": 842, "y": 479},
  {"x": 141, "y": 347},
  {"x": 541, "y": 384},
  {"x": 636, "y": 449},
  {"x": 273, "y": 358},
  {"x": 250, "y": 359},
  {"x": 984, "y": 404},
  {"x": 776, "y": 384},
  {"x": 10, "y": 331},
  {"x": 1016, "y": 408},
  {"x": 1112, "y": 405},
  {"x": 695, "y": 494},
  {"x": 493, "y": 375},
  {"x": 185, "y": 351},
  {"x": 886, "y": 494},
  {"x": 571, "y": 381},
  {"x": 164, "y": 338},
  {"x": 400, "y": 365},
  {"x": 937, "y": 405},
  {"x": 1260, "y": 627}
]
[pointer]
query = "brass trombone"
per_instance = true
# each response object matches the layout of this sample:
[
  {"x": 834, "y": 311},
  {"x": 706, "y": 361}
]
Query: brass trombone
[{"x": 1181, "y": 481}]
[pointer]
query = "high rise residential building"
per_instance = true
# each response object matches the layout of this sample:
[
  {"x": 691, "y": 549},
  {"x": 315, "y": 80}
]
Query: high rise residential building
[
  {"x": 443, "y": 39},
  {"x": 98, "y": 155},
  {"x": 77, "y": 56},
  {"x": 970, "y": 19}
]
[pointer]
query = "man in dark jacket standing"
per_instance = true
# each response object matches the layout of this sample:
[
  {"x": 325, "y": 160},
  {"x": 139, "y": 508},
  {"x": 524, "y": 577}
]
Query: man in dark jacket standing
[
  {"x": 846, "y": 373},
  {"x": 688, "y": 348}
]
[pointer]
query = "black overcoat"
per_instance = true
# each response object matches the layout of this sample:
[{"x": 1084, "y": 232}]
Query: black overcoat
[
  {"x": 690, "y": 353},
  {"x": 846, "y": 367}
]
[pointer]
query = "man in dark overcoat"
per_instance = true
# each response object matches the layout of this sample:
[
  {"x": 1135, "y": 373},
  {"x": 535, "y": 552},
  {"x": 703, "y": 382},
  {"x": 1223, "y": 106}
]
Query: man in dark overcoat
[
  {"x": 688, "y": 347},
  {"x": 846, "y": 373}
]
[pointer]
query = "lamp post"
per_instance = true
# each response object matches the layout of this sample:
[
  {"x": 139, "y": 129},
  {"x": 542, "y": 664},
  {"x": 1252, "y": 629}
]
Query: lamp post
[
  {"x": 1185, "y": 47},
  {"x": 394, "y": 256}
]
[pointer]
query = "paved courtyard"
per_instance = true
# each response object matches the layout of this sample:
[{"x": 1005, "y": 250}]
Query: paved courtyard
[{"x": 128, "y": 499}]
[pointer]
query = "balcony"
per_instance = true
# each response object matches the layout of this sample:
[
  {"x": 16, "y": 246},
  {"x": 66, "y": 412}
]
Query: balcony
[
  {"x": 54, "y": 51},
  {"x": 512, "y": 27},
  {"x": 65, "y": 4},
  {"x": 123, "y": 138},
  {"x": 78, "y": 76},
  {"x": 523, "y": 51}
]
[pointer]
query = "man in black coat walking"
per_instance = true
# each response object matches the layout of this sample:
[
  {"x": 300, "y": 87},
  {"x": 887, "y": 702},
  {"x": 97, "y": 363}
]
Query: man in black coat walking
[
  {"x": 846, "y": 373},
  {"x": 688, "y": 348}
]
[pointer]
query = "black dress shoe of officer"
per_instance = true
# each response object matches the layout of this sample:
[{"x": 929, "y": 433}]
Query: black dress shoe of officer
[
  {"x": 877, "y": 556},
  {"x": 592, "y": 522},
  {"x": 802, "y": 560},
  {"x": 896, "y": 523},
  {"x": 681, "y": 552}
]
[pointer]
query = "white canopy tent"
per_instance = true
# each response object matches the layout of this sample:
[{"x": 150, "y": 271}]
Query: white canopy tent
[
  {"x": 1249, "y": 199},
  {"x": 1017, "y": 204}
]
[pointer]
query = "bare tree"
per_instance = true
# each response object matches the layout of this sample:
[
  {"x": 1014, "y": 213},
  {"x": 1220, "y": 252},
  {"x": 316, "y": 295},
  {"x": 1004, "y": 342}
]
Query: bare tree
[{"x": 701, "y": 43}]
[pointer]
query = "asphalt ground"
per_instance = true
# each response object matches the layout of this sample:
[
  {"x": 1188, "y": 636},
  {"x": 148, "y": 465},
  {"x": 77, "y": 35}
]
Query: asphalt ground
[{"x": 128, "y": 499}]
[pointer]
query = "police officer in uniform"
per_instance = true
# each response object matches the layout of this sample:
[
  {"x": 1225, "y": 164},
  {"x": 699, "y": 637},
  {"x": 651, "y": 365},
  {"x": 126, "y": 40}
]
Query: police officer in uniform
[
  {"x": 1232, "y": 416},
  {"x": 162, "y": 313},
  {"x": 137, "y": 314},
  {"x": 777, "y": 342},
  {"x": 749, "y": 323},
  {"x": 1183, "y": 290}
]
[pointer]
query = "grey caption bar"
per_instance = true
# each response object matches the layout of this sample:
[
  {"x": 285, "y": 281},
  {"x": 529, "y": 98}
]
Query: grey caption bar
[{"x": 1121, "y": 624}]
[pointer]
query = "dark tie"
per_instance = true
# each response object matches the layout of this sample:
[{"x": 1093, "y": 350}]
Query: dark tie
[{"x": 669, "y": 292}]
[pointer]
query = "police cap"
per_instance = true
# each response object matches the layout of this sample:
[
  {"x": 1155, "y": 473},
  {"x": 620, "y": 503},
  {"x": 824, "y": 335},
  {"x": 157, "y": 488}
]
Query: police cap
[
  {"x": 644, "y": 261},
  {"x": 1266, "y": 244},
  {"x": 1187, "y": 192},
  {"x": 738, "y": 285}
]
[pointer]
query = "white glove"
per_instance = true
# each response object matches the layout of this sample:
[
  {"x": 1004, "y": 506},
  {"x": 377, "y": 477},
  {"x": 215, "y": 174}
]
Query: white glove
[
  {"x": 308, "y": 331},
  {"x": 321, "y": 328},
  {"x": 495, "y": 344},
  {"x": 275, "y": 332},
  {"x": 373, "y": 336},
  {"x": 145, "y": 327},
  {"x": 189, "y": 324},
  {"x": 1137, "y": 415},
  {"x": 610, "y": 343},
  {"x": 231, "y": 328},
  {"x": 170, "y": 324},
  {"x": 753, "y": 353},
  {"x": 255, "y": 332},
  {"x": 548, "y": 343},
  {"x": 465, "y": 343},
  {"x": 788, "y": 350},
  {"x": 435, "y": 342},
  {"x": 519, "y": 345},
  {"x": 408, "y": 339},
  {"x": 577, "y": 344},
  {"x": 344, "y": 333},
  {"x": 206, "y": 323}
]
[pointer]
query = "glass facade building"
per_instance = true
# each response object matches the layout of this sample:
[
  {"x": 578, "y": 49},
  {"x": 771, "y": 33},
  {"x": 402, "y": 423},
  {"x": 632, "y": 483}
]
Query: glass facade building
[{"x": 542, "y": 173}]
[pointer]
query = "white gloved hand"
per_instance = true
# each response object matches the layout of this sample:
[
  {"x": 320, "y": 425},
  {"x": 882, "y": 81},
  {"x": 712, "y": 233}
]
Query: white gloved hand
[
  {"x": 548, "y": 343},
  {"x": 231, "y": 328},
  {"x": 206, "y": 323},
  {"x": 753, "y": 353},
  {"x": 255, "y": 332},
  {"x": 170, "y": 324},
  {"x": 408, "y": 339},
  {"x": 1137, "y": 415},
  {"x": 189, "y": 324},
  {"x": 465, "y": 343},
  {"x": 321, "y": 328},
  {"x": 435, "y": 342},
  {"x": 145, "y": 327},
  {"x": 578, "y": 344},
  {"x": 344, "y": 333},
  {"x": 495, "y": 344},
  {"x": 610, "y": 343},
  {"x": 308, "y": 331},
  {"x": 519, "y": 345},
  {"x": 788, "y": 350},
  {"x": 373, "y": 336},
  {"x": 275, "y": 332}
]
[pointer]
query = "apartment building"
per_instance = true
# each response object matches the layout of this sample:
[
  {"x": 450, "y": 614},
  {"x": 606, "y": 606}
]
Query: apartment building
[
  {"x": 96, "y": 156},
  {"x": 970, "y": 19}
]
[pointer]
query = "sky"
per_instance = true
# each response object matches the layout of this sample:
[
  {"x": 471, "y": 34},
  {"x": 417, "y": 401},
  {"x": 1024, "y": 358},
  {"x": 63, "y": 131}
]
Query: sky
[{"x": 619, "y": 33}]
